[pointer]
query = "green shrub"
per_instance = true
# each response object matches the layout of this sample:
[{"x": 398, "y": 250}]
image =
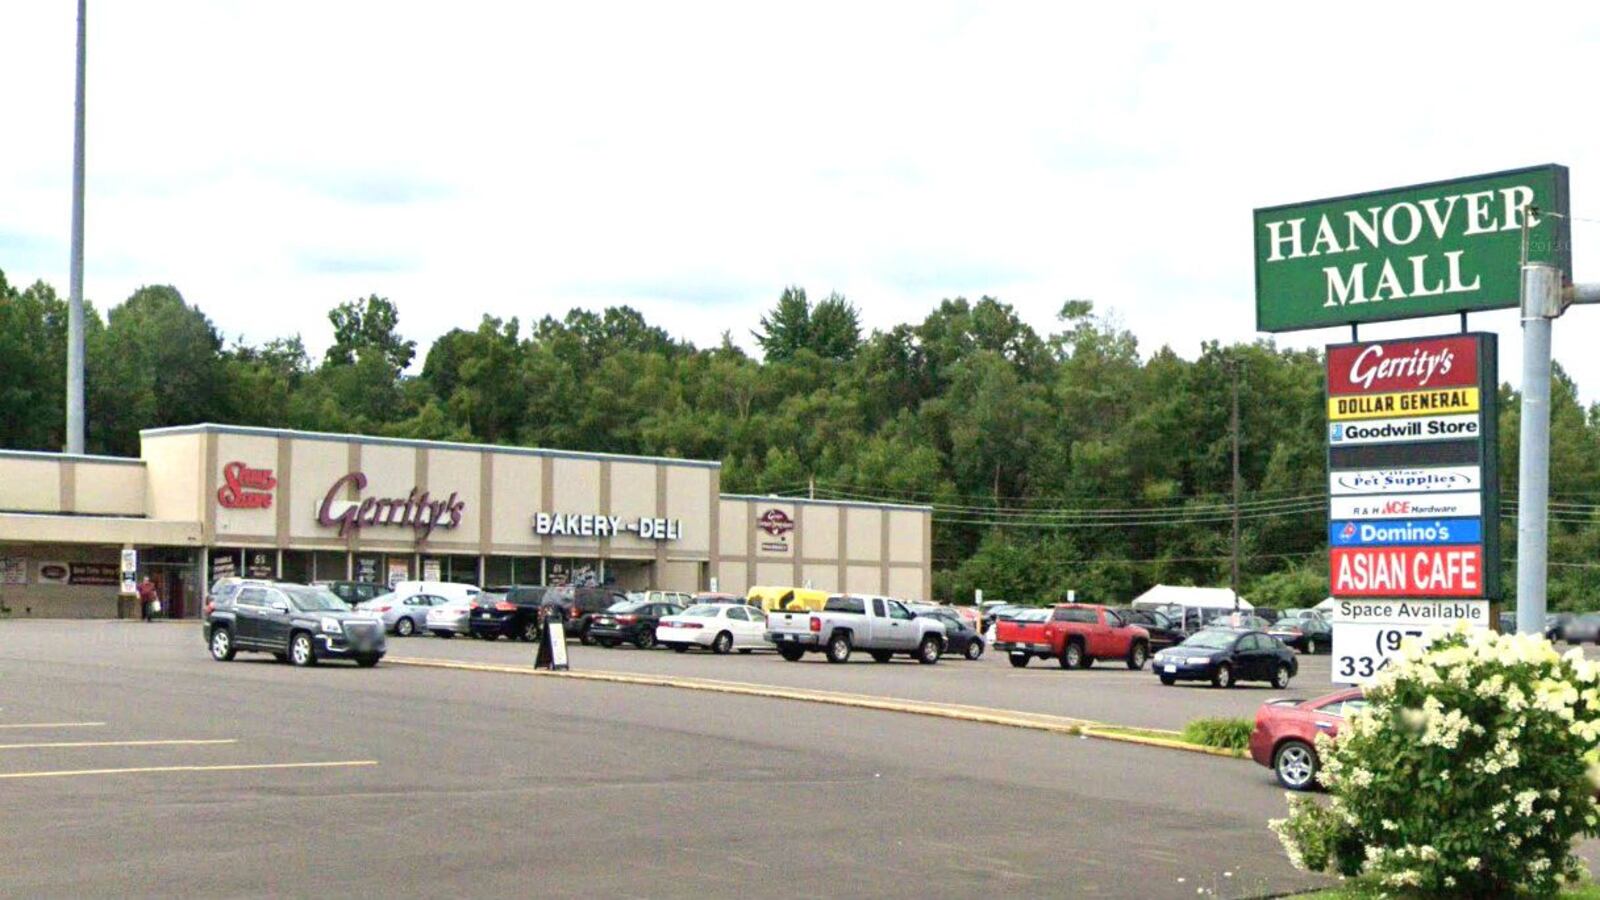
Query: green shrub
[
  {"x": 1229, "y": 734},
  {"x": 1470, "y": 773}
]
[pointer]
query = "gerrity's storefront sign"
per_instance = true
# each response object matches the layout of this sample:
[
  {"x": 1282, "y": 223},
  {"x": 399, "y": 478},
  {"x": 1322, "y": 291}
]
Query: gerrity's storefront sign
[
  {"x": 1402, "y": 525},
  {"x": 417, "y": 510},
  {"x": 598, "y": 525},
  {"x": 246, "y": 488},
  {"x": 1425, "y": 250}
]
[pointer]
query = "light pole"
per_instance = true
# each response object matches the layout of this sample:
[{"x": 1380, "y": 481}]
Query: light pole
[
  {"x": 1233, "y": 371},
  {"x": 75, "y": 295}
]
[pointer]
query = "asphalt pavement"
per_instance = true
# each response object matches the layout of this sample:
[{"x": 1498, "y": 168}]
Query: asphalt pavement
[{"x": 133, "y": 765}]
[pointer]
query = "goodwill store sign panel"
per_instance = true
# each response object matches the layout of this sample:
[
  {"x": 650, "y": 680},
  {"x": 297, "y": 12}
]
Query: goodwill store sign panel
[{"x": 1425, "y": 250}]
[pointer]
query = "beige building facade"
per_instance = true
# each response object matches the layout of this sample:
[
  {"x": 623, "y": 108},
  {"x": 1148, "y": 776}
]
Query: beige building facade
[{"x": 209, "y": 501}]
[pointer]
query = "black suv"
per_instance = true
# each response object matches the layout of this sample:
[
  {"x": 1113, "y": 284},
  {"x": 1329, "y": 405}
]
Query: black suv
[
  {"x": 294, "y": 622},
  {"x": 579, "y": 605},
  {"x": 516, "y": 616}
]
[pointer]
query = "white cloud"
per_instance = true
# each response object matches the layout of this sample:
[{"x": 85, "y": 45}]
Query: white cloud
[{"x": 693, "y": 159}]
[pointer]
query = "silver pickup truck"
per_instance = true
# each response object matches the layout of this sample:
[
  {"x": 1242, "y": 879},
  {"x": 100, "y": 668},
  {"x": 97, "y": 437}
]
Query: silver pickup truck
[{"x": 882, "y": 626}]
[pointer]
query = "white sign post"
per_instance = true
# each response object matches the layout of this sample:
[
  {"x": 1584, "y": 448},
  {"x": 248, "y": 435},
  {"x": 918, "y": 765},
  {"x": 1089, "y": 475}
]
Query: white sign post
[
  {"x": 1367, "y": 633},
  {"x": 130, "y": 571}
]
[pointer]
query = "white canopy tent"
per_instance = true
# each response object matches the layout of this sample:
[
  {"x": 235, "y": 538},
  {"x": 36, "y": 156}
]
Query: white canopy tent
[{"x": 1187, "y": 603}]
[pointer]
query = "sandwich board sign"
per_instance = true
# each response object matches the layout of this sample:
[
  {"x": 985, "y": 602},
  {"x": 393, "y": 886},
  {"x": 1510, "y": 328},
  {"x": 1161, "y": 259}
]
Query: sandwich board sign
[{"x": 1423, "y": 250}]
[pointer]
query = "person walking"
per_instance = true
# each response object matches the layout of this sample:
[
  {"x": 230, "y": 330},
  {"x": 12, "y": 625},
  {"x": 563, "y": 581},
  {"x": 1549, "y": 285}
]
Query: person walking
[{"x": 149, "y": 600}]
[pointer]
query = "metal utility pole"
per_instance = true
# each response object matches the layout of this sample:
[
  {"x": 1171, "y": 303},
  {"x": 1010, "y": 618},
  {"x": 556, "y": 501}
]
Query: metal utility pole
[
  {"x": 75, "y": 295},
  {"x": 1233, "y": 369},
  {"x": 1541, "y": 304}
]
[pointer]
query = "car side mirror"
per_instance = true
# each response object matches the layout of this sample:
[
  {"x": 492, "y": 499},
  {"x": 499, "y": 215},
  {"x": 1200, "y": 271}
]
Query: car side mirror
[{"x": 278, "y": 606}]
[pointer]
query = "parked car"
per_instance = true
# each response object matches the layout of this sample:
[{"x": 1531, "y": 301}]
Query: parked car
[
  {"x": 722, "y": 627},
  {"x": 1227, "y": 656},
  {"x": 1164, "y": 630},
  {"x": 631, "y": 621},
  {"x": 960, "y": 637},
  {"x": 1285, "y": 736},
  {"x": 515, "y": 615},
  {"x": 1266, "y": 612},
  {"x": 1010, "y": 612},
  {"x": 1075, "y": 635},
  {"x": 294, "y": 622},
  {"x": 680, "y": 599},
  {"x": 578, "y": 606},
  {"x": 882, "y": 626},
  {"x": 224, "y": 589},
  {"x": 1247, "y": 621},
  {"x": 353, "y": 593},
  {"x": 1555, "y": 625},
  {"x": 403, "y": 616},
  {"x": 1581, "y": 629},
  {"x": 1308, "y": 634}
]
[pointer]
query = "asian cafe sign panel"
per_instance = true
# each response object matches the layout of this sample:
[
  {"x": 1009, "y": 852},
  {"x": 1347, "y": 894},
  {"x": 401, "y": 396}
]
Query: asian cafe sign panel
[{"x": 1431, "y": 249}]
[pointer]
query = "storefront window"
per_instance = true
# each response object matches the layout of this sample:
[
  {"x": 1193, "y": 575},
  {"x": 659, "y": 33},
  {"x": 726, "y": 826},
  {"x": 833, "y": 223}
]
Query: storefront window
[
  {"x": 260, "y": 563},
  {"x": 369, "y": 568},
  {"x": 434, "y": 568},
  {"x": 297, "y": 566},
  {"x": 397, "y": 568},
  {"x": 497, "y": 571},
  {"x": 527, "y": 570},
  {"x": 462, "y": 569},
  {"x": 328, "y": 565}
]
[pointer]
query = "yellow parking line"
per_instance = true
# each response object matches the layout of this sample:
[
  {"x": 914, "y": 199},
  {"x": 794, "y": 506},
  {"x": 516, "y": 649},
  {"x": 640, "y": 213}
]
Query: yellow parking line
[
  {"x": 52, "y": 725},
  {"x": 76, "y": 744},
  {"x": 242, "y": 767},
  {"x": 980, "y": 714}
]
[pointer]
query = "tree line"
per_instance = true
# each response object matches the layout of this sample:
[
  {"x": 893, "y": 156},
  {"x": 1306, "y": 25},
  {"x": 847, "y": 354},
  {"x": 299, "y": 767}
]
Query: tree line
[{"x": 1054, "y": 461}]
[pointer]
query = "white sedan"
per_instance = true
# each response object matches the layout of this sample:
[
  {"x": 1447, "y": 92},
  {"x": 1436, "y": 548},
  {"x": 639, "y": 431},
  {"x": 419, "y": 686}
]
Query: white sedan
[{"x": 721, "y": 626}]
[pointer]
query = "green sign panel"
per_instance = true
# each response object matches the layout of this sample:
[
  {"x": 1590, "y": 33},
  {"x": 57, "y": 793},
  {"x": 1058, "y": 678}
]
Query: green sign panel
[{"x": 1425, "y": 250}]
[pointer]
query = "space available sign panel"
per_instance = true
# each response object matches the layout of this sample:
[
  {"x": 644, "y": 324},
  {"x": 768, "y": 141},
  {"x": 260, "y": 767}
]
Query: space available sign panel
[{"x": 1410, "y": 521}]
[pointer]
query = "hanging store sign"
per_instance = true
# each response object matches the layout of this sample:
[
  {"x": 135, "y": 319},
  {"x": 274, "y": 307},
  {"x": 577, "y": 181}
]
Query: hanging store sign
[
  {"x": 1414, "y": 403},
  {"x": 246, "y": 488},
  {"x": 596, "y": 525},
  {"x": 1406, "y": 506},
  {"x": 416, "y": 510},
  {"x": 1407, "y": 571},
  {"x": 1405, "y": 532},
  {"x": 1424, "y": 250}
]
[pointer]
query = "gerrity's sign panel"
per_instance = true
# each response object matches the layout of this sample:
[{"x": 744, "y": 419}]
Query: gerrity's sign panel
[
  {"x": 1419, "y": 523},
  {"x": 417, "y": 510},
  {"x": 1425, "y": 250}
]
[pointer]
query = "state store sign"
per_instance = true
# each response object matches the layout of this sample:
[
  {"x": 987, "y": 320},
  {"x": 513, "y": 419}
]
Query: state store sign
[{"x": 246, "y": 488}]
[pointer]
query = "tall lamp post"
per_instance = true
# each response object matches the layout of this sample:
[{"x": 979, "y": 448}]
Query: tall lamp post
[{"x": 75, "y": 296}]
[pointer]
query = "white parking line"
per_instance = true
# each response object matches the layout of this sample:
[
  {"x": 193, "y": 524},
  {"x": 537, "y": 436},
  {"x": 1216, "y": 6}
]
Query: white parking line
[
  {"x": 242, "y": 767},
  {"x": 78, "y": 744},
  {"x": 52, "y": 725}
]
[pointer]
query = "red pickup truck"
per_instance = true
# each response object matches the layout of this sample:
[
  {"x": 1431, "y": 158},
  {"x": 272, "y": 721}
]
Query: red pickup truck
[{"x": 1076, "y": 634}]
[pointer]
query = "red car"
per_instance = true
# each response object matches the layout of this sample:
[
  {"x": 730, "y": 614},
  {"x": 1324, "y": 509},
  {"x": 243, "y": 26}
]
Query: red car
[{"x": 1285, "y": 737}]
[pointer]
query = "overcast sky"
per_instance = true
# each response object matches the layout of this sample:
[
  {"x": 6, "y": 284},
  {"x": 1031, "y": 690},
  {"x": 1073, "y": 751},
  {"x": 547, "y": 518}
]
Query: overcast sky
[{"x": 690, "y": 160}]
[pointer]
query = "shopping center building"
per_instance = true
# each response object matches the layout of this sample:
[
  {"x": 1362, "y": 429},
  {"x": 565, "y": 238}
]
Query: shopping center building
[{"x": 207, "y": 501}]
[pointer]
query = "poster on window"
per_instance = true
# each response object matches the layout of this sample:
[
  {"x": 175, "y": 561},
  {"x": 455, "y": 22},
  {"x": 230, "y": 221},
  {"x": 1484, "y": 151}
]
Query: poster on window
[
  {"x": 398, "y": 571},
  {"x": 432, "y": 570},
  {"x": 223, "y": 565},
  {"x": 559, "y": 572},
  {"x": 261, "y": 563},
  {"x": 13, "y": 570},
  {"x": 367, "y": 569}
]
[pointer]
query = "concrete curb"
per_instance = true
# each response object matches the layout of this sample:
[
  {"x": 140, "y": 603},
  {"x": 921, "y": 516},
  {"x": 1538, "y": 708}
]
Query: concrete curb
[{"x": 961, "y": 713}]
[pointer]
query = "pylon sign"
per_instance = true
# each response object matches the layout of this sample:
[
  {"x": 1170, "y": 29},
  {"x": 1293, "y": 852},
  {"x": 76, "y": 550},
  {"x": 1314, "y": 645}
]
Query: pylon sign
[{"x": 1414, "y": 493}]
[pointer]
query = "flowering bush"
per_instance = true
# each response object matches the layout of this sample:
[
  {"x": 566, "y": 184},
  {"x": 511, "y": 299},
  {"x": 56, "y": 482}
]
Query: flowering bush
[{"x": 1470, "y": 772}]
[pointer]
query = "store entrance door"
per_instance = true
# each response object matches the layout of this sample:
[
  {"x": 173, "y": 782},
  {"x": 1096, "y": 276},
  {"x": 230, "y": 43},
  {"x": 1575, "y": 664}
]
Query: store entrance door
[{"x": 172, "y": 569}]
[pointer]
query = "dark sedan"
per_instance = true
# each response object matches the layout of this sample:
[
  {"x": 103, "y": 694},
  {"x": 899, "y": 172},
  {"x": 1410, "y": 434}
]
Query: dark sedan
[
  {"x": 1308, "y": 634},
  {"x": 959, "y": 635},
  {"x": 515, "y": 616},
  {"x": 631, "y": 621},
  {"x": 1164, "y": 631},
  {"x": 1227, "y": 656}
]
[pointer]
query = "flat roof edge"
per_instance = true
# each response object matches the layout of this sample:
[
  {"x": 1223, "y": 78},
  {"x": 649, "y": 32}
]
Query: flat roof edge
[
  {"x": 70, "y": 457},
  {"x": 767, "y": 498},
  {"x": 255, "y": 431}
]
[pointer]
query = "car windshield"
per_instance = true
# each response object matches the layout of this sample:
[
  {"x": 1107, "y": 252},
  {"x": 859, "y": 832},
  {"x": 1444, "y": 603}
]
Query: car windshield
[
  {"x": 314, "y": 599},
  {"x": 622, "y": 606},
  {"x": 703, "y": 611},
  {"x": 1033, "y": 615},
  {"x": 1211, "y": 639}
]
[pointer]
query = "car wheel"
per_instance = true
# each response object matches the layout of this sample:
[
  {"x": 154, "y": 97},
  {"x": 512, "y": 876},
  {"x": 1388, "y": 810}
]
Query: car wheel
[
  {"x": 929, "y": 651},
  {"x": 367, "y": 662},
  {"x": 584, "y": 638},
  {"x": 405, "y": 628},
  {"x": 1137, "y": 656},
  {"x": 839, "y": 648},
  {"x": 1280, "y": 677},
  {"x": 605, "y": 642},
  {"x": 530, "y": 631},
  {"x": 1296, "y": 765},
  {"x": 882, "y": 656},
  {"x": 222, "y": 645},
  {"x": 974, "y": 649},
  {"x": 1168, "y": 680},
  {"x": 301, "y": 651},
  {"x": 1311, "y": 647},
  {"x": 1072, "y": 656},
  {"x": 646, "y": 639},
  {"x": 1019, "y": 660},
  {"x": 1224, "y": 676},
  {"x": 792, "y": 654},
  {"x": 680, "y": 648},
  {"x": 722, "y": 644}
]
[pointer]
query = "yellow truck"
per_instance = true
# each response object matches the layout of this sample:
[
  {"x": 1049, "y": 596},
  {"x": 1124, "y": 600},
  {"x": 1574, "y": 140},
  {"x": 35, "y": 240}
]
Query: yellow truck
[{"x": 777, "y": 599}]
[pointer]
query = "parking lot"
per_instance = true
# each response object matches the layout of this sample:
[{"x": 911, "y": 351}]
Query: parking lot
[{"x": 411, "y": 781}]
